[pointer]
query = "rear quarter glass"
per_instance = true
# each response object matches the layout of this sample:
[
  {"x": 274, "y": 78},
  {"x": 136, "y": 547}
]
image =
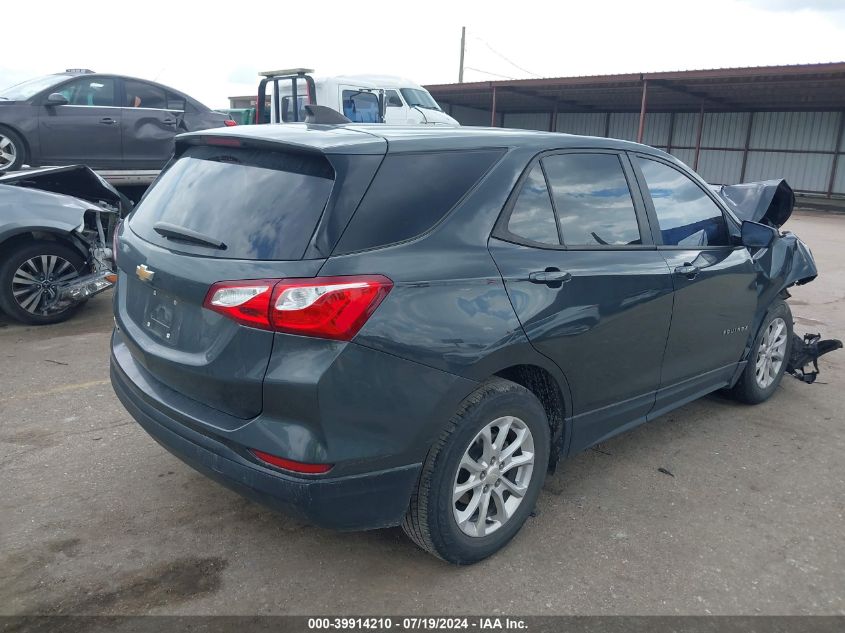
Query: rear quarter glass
[
  {"x": 261, "y": 205},
  {"x": 413, "y": 192}
]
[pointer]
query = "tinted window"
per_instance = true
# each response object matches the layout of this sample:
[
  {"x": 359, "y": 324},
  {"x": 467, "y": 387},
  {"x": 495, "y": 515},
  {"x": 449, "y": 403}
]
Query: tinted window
[
  {"x": 174, "y": 101},
  {"x": 411, "y": 193},
  {"x": 592, "y": 200},
  {"x": 532, "y": 217},
  {"x": 144, "y": 95},
  {"x": 261, "y": 205},
  {"x": 360, "y": 107},
  {"x": 89, "y": 92},
  {"x": 687, "y": 216}
]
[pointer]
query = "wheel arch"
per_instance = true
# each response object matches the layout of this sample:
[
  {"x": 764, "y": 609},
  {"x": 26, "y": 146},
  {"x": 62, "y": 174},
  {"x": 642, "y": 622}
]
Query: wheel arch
[
  {"x": 46, "y": 233},
  {"x": 551, "y": 394}
]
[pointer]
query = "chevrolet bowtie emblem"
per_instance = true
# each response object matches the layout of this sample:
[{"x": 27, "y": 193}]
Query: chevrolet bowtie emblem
[{"x": 144, "y": 273}]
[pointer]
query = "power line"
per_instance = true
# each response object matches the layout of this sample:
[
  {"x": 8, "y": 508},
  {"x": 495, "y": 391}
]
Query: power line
[
  {"x": 514, "y": 64},
  {"x": 478, "y": 70}
]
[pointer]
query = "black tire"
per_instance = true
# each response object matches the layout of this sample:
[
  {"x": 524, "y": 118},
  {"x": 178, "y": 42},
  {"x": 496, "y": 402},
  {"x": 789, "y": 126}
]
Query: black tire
[
  {"x": 748, "y": 389},
  {"x": 15, "y": 141},
  {"x": 430, "y": 521},
  {"x": 15, "y": 258}
]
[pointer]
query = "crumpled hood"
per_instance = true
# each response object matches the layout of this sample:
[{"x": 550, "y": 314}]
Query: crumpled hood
[
  {"x": 768, "y": 202},
  {"x": 77, "y": 181}
]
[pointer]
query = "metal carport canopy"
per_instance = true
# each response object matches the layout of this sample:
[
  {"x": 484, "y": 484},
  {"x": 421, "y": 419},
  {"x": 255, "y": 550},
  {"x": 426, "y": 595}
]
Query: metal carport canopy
[{"x": 773, "y": 88}]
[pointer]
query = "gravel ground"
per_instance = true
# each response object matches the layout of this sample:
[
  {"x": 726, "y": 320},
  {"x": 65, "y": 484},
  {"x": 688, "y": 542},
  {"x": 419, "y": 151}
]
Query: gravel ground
[{"x": 95, "y": 517}]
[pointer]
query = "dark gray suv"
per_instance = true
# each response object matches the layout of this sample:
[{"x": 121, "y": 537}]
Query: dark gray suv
[
  {"x": 103, "y": 121},
  {"x": 372, "y": 326}
]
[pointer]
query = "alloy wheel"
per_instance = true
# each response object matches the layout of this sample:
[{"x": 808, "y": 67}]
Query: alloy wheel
[
  {"x": 8, "y": 152},
  {"x": 493, "y": 476},
  {"x": 770, "y": 353},
  {"x": 36, "y": 282}
]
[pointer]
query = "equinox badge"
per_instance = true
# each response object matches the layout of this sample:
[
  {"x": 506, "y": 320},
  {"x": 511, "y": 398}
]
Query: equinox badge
[{"x": 144, "y": 273}]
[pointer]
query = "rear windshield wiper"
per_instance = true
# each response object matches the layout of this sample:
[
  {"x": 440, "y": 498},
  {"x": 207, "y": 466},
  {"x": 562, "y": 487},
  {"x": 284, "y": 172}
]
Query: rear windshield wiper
[{"x": 180, "y": 233}]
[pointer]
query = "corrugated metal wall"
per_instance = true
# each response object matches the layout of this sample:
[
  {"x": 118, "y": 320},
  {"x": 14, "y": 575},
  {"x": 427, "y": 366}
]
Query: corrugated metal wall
[
  {"x": 798, "y": 146},
  {"x": 589, "y": 124},
  {"x": 472, "y": 116},
  {"x": 528, "y": 121}
]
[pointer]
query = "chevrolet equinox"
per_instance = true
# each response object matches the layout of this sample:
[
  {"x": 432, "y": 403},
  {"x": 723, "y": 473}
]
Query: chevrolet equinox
[{"x": 371, "y": 326}]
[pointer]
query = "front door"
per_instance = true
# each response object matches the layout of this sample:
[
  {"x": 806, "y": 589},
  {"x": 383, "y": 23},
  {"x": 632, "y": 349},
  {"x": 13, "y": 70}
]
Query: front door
[
  {"x": 151, "y": 120},
  {"x": 86, "y": 130},
  {"x": 588, "y": 285},
  {"x": 714, "y": 280}
]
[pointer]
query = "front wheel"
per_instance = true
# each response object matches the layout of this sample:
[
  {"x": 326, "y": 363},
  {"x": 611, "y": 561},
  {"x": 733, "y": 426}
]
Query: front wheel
[
  {"x": 768, "y": 357},
  {"x": 30, "y": 277},
  {"x": 482, "y": 477}
]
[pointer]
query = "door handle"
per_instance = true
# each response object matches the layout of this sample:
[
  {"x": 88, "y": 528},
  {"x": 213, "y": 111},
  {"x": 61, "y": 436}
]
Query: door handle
[
  {"x": 169, "y": 121},
  {"x": 549, "y": 276},
  {"x": 107, "y": 121},
  {"x": 687, "y": 269}
]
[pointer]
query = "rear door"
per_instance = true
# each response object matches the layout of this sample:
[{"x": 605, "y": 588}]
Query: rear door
[
  {"x": 715, "y": 291},
  {"x": 262, "y": 207},
  {"x": 87, "y": 129},
  {"x": 151, "y": 118},
  {"x": 589, "y": 287}
]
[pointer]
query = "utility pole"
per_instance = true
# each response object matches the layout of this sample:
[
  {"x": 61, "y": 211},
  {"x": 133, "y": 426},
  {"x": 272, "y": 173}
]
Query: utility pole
[{"x": 463, "y": 46}]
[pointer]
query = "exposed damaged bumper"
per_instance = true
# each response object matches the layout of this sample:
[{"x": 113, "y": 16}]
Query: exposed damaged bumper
[
  {"x": 83, "y": 288},
  {"x": 806, "y": 352}
]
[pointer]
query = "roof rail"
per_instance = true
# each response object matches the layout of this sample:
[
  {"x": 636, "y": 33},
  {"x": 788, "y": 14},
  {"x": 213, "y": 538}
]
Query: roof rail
[{"x": 79, "y": 71}]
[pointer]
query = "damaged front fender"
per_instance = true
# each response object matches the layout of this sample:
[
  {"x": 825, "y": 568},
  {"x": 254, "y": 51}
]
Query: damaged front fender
[{"x": 785, "y": 262}]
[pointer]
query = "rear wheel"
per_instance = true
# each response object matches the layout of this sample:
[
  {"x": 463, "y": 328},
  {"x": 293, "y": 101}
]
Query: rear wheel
[
  {"x": 482, "y": 477},
  {"x": 12, "y": 151},
  {"x": 769, "y": 353},
  {"x": 30, "y": 277}
]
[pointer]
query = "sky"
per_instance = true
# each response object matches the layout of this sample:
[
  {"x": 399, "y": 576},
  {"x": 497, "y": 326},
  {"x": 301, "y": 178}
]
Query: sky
[{"x": 213, "y": 50}]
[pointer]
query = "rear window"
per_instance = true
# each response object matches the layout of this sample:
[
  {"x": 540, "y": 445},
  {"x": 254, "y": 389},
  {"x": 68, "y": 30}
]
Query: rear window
[
  {"x": 411, "y": 193},
  {"x": 259, "y": 204}
]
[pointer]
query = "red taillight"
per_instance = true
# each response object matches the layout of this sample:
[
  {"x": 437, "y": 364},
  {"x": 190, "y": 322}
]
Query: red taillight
[
  {"x": 230, "y": 123},
  {"x": 247, "y": 302},
  {"x": 327, "y": 307},
  {"x": 289, "y": 464},
  {"x": 324, "y": 307}
]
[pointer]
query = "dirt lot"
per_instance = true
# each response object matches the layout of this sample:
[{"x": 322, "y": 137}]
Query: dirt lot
[{"x": 95, "y": 517}]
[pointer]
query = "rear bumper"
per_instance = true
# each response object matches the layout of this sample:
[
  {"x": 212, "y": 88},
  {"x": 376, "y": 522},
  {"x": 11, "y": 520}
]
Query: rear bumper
[{"x": 356, "y": 502}]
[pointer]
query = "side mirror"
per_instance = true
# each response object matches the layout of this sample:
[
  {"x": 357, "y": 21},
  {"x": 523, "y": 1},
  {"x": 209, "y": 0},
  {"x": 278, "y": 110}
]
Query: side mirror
[
  {"x": 756, "y": 235},
  {"x": 56, "y": 99}
]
